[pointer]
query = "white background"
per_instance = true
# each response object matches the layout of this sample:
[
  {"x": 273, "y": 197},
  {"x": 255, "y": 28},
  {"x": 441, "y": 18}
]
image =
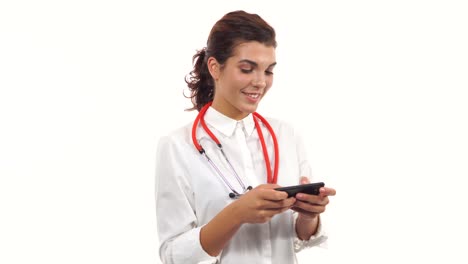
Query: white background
[{"x": 88, "y": 87}]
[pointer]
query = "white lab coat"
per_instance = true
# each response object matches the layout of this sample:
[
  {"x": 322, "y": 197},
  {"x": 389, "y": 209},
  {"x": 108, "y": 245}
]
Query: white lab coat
[{"x": 190, "y": 192}]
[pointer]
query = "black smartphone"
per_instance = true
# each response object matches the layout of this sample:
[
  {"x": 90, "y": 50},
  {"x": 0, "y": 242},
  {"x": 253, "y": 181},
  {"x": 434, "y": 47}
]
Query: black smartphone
[{"x": 309, "y": 188}]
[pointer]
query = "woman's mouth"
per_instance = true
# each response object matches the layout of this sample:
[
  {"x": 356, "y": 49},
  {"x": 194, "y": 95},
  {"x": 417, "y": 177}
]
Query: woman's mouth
[{"x": 252, "y": 95}]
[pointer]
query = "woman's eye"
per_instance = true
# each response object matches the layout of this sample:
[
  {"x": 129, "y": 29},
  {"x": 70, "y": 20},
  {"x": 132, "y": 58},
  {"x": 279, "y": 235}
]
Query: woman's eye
[
  {"x": 246, "y": 70},
  {"x": 268, "y": 72}
]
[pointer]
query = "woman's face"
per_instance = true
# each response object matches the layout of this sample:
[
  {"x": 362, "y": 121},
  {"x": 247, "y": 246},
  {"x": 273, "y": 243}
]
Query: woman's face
[{"x": 243, "y": 80}]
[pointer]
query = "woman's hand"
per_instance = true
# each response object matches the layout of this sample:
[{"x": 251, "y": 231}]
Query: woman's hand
[
  {"x": 309, "y": 208},
  {"x": 260, "y": 204}
]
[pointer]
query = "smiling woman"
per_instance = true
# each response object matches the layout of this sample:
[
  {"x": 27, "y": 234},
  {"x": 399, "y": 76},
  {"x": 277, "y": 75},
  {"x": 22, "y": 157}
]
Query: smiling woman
[
  {"x": 243, "y": 80},
  {"x": 207, "y": 209}
]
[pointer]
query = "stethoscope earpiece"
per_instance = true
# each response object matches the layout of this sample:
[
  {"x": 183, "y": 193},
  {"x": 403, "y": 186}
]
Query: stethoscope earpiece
[{"x": 232, "y": 195}]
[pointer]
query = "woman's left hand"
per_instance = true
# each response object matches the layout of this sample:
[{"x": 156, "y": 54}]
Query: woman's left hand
[{"x": 310, "y": 206}]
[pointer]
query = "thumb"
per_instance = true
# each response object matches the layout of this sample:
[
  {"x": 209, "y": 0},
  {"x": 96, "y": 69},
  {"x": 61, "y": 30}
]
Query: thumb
[{"x": 304, "y": 180}]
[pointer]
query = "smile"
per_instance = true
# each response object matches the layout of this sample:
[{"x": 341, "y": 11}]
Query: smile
[{"x": 252, "y": 95}]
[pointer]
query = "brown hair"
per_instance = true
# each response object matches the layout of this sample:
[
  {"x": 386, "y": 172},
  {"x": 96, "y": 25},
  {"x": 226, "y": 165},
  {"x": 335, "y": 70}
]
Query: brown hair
[{"x": 231, "y": 30}]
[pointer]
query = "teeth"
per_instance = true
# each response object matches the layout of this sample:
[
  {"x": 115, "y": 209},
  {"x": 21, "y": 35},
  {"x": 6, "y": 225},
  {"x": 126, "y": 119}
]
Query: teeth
[{"x": 253, "y": 95}]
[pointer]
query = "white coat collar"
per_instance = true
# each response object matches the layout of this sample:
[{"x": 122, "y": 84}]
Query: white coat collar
[{"x": 227, "y": 125}]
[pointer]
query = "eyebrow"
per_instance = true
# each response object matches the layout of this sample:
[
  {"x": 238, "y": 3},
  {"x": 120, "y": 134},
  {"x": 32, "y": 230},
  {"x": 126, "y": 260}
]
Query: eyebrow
[{"x": 253, "y": 63}]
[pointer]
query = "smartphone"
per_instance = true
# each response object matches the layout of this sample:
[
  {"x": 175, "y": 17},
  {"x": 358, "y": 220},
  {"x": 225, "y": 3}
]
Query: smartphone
[{"x": 310, "y": 188}]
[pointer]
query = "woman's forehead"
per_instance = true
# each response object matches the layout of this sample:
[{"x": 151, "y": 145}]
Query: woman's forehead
[{"x": 254, "y": 51}]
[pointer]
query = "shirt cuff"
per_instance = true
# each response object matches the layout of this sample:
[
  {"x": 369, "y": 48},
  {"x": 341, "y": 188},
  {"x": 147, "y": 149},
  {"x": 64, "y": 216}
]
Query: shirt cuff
[
  {"x": 187, "y": 248},
  {"x": 318, "y": 239}
]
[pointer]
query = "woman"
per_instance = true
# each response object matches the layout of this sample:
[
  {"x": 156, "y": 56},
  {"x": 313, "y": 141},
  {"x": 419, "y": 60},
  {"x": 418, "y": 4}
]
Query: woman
[{"x": 207, "y": 210}]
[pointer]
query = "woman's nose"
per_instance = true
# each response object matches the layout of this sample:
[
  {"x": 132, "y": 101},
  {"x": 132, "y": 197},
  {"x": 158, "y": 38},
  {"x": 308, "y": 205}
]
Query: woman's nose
[{"x": 259, "y": 82}]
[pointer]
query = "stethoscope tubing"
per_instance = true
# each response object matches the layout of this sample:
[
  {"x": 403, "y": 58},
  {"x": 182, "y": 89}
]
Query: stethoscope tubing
[{"x": 270, "y": 178}]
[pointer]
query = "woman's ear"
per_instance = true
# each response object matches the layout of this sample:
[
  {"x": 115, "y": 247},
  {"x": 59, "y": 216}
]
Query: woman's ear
[{"x": 213, "y": 68}]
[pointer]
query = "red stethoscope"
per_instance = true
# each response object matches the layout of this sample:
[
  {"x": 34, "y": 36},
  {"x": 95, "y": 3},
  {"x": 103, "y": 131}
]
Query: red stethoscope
[{"x": 271, "y": 176}]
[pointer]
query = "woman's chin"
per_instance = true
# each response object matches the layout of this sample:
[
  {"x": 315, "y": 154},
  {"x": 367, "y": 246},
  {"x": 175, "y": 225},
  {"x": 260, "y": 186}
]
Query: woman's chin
[{"x": 249, "y": 108}]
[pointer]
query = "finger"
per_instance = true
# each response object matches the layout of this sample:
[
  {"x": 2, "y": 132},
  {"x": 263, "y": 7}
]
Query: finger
[
  {"x": 268, "y": 192},
  {"x": 312, "y": 199},
  {"x": 273, "y": 195},
  {"x": 311, "y": 208},
  {"x": 289, "y": 202},
  {"x": 278, "y": 210},
  {"x": 326, "y": 191},
  {"x": 286, "y": 203},
  {"x": 304, "y": 180},
  {"x": 269, "y": 213},
  {"x": 267, "y": 186}
]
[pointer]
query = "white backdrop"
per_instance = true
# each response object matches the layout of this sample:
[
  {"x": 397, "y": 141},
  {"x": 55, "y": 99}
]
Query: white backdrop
[{"x": 88, "y": 87}]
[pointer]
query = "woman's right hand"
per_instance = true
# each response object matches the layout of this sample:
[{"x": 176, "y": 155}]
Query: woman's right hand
[{"x": 260, "y": 204}]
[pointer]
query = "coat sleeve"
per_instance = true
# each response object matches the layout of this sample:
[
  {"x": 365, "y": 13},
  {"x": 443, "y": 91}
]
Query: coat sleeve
[
  {"x": 178, "y": 230},
  {"x": 320, "y": 238}
]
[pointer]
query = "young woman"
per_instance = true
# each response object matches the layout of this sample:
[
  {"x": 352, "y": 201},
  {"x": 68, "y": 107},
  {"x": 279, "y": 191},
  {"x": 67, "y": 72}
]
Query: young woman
[{"x": 216, "y": 177}]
